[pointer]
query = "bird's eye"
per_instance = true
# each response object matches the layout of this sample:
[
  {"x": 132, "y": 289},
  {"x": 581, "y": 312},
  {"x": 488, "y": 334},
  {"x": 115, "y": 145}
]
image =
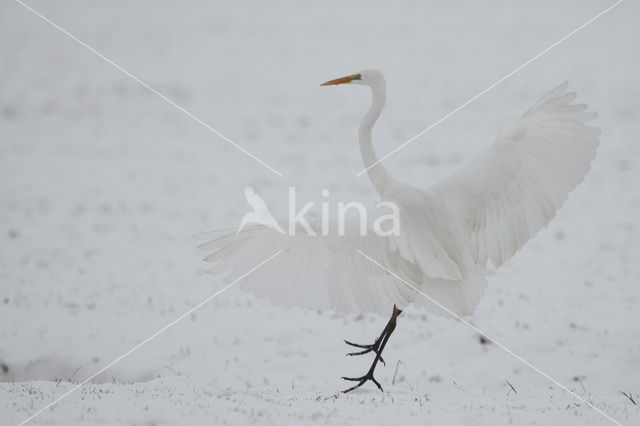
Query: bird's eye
[{"x": 357, "y": 77}]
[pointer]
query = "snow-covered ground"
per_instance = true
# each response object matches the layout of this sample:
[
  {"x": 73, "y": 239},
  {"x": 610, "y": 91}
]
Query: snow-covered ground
[{"x": 103, "y": 184}]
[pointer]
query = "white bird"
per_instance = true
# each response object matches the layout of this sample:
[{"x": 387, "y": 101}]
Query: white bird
[{"x": 449, "y": 232}]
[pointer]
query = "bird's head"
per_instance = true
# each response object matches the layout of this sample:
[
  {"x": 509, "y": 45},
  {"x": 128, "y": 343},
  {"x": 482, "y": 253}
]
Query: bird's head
[{"x": 371, "y": 78}]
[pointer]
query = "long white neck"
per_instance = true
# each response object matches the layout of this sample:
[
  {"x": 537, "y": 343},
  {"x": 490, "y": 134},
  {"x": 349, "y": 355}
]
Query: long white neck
[{"x": 377, "y": 173}]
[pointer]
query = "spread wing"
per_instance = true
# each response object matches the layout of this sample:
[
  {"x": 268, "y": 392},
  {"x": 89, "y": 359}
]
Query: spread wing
[
  {"x": 314, "y": 272},
  {"x": 505, "y": 196}
]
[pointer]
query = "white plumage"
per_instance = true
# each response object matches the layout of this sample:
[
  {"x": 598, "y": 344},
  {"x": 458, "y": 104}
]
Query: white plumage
[
  {"x": 449, "y": 232},
  {"x": 509, "y": 193}
]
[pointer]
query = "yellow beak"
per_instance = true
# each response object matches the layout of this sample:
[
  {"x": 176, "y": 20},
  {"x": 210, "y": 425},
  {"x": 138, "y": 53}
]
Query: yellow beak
[{"x": 341, "y": 80}]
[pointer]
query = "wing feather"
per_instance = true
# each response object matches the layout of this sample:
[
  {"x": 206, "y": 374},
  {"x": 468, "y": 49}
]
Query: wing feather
[
  {"x": 506, "y": 195},
  {"x": 313, "y": 272}
]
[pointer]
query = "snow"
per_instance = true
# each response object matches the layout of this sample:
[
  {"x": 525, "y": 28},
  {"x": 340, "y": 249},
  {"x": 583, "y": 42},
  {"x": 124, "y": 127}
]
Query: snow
[{"x": 103, "y": 184}]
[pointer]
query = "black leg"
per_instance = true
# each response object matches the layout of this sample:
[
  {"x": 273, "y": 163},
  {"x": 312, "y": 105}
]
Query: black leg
[{"x": 377, "y": 347}]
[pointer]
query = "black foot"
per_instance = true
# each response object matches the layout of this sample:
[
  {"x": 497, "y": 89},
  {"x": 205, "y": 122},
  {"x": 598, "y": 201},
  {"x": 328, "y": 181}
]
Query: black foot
[
  {"x": 375, "y": 347},
  {"x": 361, "y": 381}
]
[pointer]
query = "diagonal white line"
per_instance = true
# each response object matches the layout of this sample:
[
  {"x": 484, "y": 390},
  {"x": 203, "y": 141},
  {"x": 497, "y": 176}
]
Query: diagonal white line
[
  {"x": 477, "y": 330},
  {"x": 490, "y": 87},
  {"x": 148, "y": 339},
  {"x": 147, "y": 86}
]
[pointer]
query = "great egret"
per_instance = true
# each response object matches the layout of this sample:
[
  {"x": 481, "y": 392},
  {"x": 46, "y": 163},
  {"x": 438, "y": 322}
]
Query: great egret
[{"x": 449, "y": 232}]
